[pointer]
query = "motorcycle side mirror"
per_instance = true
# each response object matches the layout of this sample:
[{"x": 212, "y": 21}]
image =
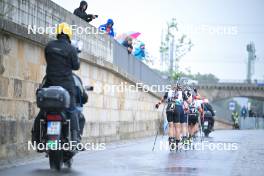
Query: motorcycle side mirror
[
  {"x": 80, "y": 45},
  {"x": 89, "y": 88}
]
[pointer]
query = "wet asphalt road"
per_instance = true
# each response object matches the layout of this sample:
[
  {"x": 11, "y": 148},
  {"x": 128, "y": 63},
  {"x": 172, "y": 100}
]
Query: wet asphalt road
[{"x": 136, "y": 158}]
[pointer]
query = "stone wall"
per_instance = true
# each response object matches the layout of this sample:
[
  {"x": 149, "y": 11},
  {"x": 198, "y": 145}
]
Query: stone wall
[{"x": 110, "y": 115}]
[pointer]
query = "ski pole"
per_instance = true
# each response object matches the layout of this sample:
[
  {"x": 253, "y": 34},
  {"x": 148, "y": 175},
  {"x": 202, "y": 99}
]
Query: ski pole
[{"x": 158, "y": 130}]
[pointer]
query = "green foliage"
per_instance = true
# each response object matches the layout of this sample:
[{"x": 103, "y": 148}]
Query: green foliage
[
  {"x": 256, "y": 106},
  {"x": 206, "y": 78},
  {"x": 176, "y": 75},
  {"x": 201, "y": 78}
]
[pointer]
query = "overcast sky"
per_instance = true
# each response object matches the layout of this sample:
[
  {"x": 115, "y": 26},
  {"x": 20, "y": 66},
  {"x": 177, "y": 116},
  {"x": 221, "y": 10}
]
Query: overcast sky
[{"x": 223, "y": 55}]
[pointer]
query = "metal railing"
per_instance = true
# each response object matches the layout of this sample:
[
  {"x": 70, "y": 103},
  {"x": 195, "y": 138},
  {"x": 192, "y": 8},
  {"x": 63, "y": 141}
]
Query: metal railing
[
  {"x": 232, "y": 82},
  {"x": 251, "y": 123},
  {"x": 241, "y": 81},
  {"x": 43, "y": 13},
  {"x": 136, "y": 68}
]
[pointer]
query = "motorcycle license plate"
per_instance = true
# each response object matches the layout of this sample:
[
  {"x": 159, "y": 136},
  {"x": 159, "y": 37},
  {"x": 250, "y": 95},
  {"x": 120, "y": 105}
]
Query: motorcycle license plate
[
  {"x": 54, "y": 128},
  {"x": 205, "y": 124}
]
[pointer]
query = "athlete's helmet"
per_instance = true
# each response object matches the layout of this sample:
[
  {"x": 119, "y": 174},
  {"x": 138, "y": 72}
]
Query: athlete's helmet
[
  {"x": 186, "y": 94},
  {"x": 64, "y": 28}
]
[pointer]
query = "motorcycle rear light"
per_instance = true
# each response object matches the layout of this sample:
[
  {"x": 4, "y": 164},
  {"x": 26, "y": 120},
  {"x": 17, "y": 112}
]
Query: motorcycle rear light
[
  {"x": 53, "y": 138},
  {"x": 54, "y": 117}
]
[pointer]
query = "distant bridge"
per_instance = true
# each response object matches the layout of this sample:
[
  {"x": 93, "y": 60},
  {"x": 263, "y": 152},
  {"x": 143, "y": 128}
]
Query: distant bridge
[{"x": 220, "y": 91}]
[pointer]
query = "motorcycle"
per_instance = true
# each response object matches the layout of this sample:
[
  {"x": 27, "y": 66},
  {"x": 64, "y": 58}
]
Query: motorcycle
[
  {"x": 206, "y": 125},
  {"x": 55, "y": 133}
]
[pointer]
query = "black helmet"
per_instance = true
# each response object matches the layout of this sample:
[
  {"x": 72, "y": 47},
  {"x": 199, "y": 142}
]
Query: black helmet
[
  {"x": 178, "y": 86},
  {"x": 195, "y": 90},
  {"x": 208, "y": 114},
  {"x": 186, "y": 94}
]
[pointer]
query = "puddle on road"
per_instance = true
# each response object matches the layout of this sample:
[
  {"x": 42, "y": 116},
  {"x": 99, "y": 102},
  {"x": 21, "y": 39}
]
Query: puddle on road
[
  {"x": 180, "y": 169},
  {"x": 171, "y": 170}
]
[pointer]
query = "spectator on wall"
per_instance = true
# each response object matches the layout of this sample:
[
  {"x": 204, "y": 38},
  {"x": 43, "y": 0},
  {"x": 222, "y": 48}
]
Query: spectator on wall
[
  {"x": 139, "y": 52},
  {"x": 108, "y": 27},
  {"x": 128, "y": 44},
  {"x": 80, "y": 12}
]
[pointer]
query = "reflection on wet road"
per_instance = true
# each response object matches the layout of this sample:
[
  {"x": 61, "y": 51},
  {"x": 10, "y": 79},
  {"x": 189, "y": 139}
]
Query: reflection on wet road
[{"x": 136, "y": 158}]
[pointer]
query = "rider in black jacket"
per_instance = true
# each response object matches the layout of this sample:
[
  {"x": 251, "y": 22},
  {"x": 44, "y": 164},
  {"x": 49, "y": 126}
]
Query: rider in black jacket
[
  {"x": 208, "y": 107},
  {"x": 61, "y": 58}
]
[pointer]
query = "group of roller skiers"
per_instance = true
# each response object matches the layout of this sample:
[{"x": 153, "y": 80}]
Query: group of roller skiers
[{"x": 185, "y": 110}]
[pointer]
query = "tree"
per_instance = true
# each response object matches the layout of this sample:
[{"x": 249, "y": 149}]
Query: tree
[
  {"x": 256, "y": 106},
  {"x": 173, "y": 47},
  {"x": 201, "y": 78},
  {"x": 206, "y": 78}
]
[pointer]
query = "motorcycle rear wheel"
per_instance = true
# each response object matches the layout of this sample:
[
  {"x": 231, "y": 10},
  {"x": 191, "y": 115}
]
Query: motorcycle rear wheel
[
  {"x": 206, "y": 133},
  {"x": 56, "y": 159}
]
